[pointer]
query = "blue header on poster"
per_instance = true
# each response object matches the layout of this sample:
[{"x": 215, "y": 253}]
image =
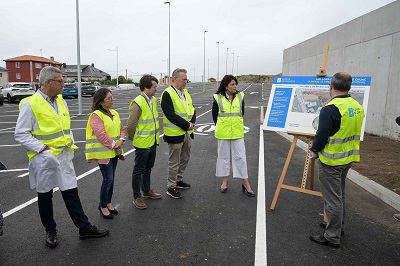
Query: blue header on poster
[{"x": 314, "y": 80}]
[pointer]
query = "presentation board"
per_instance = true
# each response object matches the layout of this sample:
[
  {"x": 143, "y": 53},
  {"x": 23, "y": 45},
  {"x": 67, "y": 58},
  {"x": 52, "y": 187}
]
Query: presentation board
[{"x": 295, "y": 102}]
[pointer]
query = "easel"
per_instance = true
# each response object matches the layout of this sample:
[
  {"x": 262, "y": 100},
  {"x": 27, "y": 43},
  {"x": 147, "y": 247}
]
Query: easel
[
  {"x": 310, "y": 137},
  {"x": 309, "y": 163}
]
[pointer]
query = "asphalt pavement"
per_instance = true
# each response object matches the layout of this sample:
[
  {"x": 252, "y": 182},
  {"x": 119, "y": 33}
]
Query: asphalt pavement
[{"x": 205, "y": 227}]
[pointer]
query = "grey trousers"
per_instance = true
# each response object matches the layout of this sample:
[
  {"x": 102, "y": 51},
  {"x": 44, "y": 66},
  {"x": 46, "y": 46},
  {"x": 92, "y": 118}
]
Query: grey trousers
[
  {"x": 179, "y": 155},
  {"x": 333, "y": 184}
]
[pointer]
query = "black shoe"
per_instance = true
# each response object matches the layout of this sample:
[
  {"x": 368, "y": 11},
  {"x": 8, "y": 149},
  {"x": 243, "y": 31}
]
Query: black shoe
[
  {"x": 94, "y": 232},
  {"x": 173, "y": 192},
  {"x": 223, "y": 190},
  {"x": 51, "y": 238},
  {"x": 110, "y": 216},
  {"x": 324, "y": 224},
  {"x": 114, "y": 211},
  {"x": 320, "y": 239},
  {"x": 182, "y": 185},
  {"x": 250, "y": 194}
]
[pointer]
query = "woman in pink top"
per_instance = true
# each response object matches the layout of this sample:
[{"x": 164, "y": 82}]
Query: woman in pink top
[{"x": 103, "y": 148}]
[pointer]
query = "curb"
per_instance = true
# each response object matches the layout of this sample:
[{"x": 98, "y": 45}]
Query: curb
[{"x": 379, "y": 191}]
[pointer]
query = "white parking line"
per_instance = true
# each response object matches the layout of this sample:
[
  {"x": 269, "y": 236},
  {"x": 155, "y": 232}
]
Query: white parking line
[{"x": 261, "y": 227}]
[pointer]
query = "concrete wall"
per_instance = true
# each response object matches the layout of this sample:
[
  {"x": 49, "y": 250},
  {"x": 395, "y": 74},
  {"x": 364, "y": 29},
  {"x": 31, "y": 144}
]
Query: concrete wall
[{"x": 366, "y": 46}]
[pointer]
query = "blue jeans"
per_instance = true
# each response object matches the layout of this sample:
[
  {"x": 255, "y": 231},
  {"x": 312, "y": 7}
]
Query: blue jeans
[
  {"x": 144, "y": 161},
  {"x": 107, "y": 187},
  {"x": 74, "y": 207}
]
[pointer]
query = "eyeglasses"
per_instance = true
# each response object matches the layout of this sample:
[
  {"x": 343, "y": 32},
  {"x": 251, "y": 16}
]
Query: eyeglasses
[
  {"x": 109, "y": 98},
  {"x": 57, "y": 80}
]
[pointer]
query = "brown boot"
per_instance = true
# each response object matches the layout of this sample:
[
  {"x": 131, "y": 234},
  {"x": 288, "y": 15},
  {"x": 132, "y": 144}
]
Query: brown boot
[{"x": 139, "y": 203}]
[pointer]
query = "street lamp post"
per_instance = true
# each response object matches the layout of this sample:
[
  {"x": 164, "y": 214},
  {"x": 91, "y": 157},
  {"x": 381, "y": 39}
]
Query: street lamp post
[
  {"x": 194, "y": 74},
  {"x": 115, "y": 50},
  {"x": 226, "y": 70},
  {"x": 204, "y": 65},
  {"x": 233, "y": 61},
  {"x": 218, "y": 66},
  {"x": 169, "y": 41},
  {"x": 237, "y": 65},
  {"x": 167, "y": 67},
  {"x": 78, "y": 53}
]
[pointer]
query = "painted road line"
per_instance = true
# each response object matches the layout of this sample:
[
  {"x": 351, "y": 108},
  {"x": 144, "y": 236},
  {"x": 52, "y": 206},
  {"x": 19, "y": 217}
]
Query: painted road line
[
  {"x": 261, "y": 227},
  {"x": 26, "y": 204}
]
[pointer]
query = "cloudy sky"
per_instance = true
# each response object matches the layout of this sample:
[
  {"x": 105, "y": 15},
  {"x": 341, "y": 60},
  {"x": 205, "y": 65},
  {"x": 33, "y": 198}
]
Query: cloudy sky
[{"x": 255, "y": 31}]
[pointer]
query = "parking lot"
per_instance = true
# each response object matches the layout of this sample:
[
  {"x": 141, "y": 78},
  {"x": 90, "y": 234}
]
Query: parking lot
[{"x": 205, "y": 227}]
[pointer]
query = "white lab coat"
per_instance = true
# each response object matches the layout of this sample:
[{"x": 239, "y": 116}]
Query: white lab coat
[{"x": 46, "y": 171}]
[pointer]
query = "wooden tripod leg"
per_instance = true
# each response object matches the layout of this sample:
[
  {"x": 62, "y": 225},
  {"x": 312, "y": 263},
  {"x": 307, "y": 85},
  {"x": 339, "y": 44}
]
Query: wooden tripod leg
[{"x": 288, "y": 158}]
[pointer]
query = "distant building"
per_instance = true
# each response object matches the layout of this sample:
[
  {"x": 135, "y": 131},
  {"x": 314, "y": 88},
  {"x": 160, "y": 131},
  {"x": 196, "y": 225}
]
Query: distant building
[
  {"x": 88, "y": 73},
  {"x": 26, "y": 68},
  {"x": 3, "y": 76},
  {"x": 212, "y": 80}
]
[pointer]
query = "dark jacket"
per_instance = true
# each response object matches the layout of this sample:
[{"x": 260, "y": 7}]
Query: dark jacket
[
  {"x": 329, "y": 125},
  {"x": 169, "y": 111}
]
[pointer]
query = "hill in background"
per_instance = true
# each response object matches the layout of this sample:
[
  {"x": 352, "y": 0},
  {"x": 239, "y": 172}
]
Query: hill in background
[{"x": 255, "y": 78}]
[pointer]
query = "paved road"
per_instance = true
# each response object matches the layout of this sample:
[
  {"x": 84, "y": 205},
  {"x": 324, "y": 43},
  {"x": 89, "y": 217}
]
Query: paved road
[{"x": 205, "y": 227}]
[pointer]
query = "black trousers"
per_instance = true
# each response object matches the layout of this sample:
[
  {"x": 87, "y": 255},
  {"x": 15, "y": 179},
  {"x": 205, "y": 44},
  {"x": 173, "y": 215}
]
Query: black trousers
[{"x": 74, "y": 207}]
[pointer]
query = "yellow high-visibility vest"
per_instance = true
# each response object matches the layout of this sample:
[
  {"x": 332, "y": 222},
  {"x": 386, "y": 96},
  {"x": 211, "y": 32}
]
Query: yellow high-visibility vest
[
  {"x": 344, "y": 147},
  {"x": 94, "y": 149},
  {"x": 186, "y": 112},
  {"x": 230, "y": 123},
  {"x": 147, "y": 130},
  {"x": 54, "y": 129}
]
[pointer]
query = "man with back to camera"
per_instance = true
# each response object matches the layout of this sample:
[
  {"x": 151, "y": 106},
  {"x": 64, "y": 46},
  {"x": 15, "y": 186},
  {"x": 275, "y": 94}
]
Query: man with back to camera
[
  {"x": 44, "y": 128},
  {"x": 143, "y": 130},
  {"x": 179, "y": 121},
  {"x": 337, "y": 144}
]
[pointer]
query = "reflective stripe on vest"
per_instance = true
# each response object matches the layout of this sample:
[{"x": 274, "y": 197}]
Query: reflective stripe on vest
[
  {"x": 147, "y": 131},
  {"x": 344, "y": 147},
  {"x": 94, "y": 149},
  {"x": 53, "y": 129},
  {"x": 230, "y": 117},
  {"x": 186, "y": 112}
]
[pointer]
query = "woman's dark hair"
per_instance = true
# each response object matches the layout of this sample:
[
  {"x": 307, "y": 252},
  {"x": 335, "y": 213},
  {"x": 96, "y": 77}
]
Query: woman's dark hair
[
  {"x": 98, "y": 98},
  {"x": 225, "y": 82}
]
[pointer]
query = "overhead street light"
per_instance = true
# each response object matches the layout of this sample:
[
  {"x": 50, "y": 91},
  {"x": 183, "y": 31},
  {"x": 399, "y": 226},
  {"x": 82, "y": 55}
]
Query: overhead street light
[
  {"x": 218, "y": 66},
  {"x": 204, "y": 70},
  {"x": 233, "y": 61},
  {"x": 226, "y": 70},
  {"x": 169, "y": 41},
  {"x": 78, "y": 53},
  {"x": 115, "y": 50},
  {"x": 237, "y": 66}
]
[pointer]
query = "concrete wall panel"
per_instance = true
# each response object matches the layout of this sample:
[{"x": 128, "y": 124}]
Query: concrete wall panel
[
  {"x": 381, "y": 22},
  {"x": 368, "y": 45}
]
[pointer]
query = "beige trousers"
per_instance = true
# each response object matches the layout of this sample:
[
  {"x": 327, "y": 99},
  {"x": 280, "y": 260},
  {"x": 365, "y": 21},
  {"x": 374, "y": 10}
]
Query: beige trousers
[{"x": 179, "y": 155}]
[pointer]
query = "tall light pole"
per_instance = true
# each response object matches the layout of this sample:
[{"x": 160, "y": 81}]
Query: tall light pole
[
  {"x": 204, "y": 70},
  {"x": 194, "y": 73},
  {"x": 208, "y": 68},
  {"x": 226, "y": 70},
  {"x": 237, "y": 65},
  {"x": 167, "y": 66},
  {"x": 218, "y": 65},
  {"x": 233, "y": 61},
  {"x": 78, "y": 53},
  {"x": 169, "y": 41},
  {"x": 115, "y": 50}
]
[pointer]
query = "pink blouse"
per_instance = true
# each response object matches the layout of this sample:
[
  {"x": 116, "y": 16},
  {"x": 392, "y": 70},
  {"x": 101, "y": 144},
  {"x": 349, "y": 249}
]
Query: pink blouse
[{"x": 98, "y": 130}]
